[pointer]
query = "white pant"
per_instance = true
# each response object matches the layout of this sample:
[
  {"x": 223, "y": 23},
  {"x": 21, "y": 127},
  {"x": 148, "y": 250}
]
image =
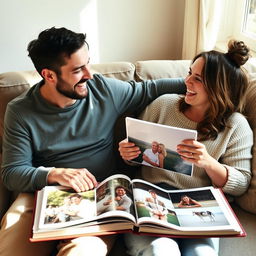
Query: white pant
[{"x": 162, "y": 246}]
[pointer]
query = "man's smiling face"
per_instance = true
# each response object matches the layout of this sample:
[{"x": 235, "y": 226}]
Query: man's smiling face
[{"x": 74, "y": 75}]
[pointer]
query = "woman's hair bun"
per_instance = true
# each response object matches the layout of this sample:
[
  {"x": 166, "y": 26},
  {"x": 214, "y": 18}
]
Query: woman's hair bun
[{"x": 238, "y": 52}]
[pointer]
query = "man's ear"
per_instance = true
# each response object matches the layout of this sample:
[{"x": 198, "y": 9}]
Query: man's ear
[{"x": 49, "y": 75}]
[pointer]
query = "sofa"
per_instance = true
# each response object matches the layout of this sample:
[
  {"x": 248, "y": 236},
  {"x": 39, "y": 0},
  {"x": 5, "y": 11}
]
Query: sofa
[{"x": 14, "y": 83}]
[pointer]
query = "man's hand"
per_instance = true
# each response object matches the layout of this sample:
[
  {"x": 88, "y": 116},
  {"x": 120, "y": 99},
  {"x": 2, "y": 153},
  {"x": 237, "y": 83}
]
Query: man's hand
[{"x": 78, "y": 179}]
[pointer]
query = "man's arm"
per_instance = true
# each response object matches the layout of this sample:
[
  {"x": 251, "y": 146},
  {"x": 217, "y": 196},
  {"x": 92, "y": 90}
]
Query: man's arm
[
  {"x": 135, "y": 96},
  {"x": 147, "y": 159},
  {"x": 125, "y": 205},
  {"x": 18, "y": 171}
]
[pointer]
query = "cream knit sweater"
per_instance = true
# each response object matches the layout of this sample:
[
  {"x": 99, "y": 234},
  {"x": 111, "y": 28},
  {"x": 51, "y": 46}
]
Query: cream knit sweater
[{"x": 232, "y": 148}]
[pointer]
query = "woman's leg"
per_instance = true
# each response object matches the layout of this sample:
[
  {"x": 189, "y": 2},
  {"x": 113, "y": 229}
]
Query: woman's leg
[
  {"x": 199, "y": 247},
  {"x": 93, "y": 246},
  {"x": 150, "y": 246}
]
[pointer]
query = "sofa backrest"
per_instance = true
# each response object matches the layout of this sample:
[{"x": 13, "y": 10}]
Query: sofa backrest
[{"x": 155, "y": 69}]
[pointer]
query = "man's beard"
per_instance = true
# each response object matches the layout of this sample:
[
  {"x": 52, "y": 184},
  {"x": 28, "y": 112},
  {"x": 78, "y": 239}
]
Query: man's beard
[{"x": 72, "y": 94}]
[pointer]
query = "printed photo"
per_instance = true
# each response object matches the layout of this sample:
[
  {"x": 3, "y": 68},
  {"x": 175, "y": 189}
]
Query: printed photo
[
  {"x": 158, "y": 145},
  {"x": 114, "y": 195},
  {"x": 68, "y": 206},
  {"x": 154, "y": 203},
  {"x": 198, "y": 208}
]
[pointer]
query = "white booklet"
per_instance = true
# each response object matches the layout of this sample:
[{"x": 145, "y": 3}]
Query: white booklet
[{"x": 147, "y": 136}]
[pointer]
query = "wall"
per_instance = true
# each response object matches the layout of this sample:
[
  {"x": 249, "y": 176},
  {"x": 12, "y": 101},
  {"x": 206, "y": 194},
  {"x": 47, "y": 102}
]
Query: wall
[{"x": 117, "y": 30}]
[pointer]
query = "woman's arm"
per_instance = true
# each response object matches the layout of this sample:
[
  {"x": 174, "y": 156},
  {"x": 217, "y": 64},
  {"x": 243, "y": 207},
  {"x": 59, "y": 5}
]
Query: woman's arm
[{"x": 232, "y": 171}]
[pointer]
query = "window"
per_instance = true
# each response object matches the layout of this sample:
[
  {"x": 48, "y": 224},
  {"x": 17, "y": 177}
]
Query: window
[
  {"x": 239, "y": 22},
  {"x": 246, "y": 22},
  {"x": 249, "y": 26}
]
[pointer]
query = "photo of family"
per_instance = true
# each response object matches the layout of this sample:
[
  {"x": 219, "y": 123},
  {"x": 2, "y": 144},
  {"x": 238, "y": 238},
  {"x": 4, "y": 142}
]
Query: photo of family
[
  {"x": 65, "y": 206},
  {"x": 158, "y": 145}
]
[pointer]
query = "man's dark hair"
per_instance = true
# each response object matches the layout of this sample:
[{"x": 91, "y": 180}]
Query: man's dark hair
[
  {"x": 75, "y": 195},
  {"x": 119, "y": 186},
  {"x": 52, "y": 46}
]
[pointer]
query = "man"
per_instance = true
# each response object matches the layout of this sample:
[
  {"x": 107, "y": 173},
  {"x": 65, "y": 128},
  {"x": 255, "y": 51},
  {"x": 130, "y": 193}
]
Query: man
[
  {"x": 156, "y": 207},
  {"x": 123, "y": 202},
  {"x": 120, "y": 202},
  {"x": 150, "y": 155},
  {"x": 81, "y": 208},
  {"x": 61, "y": 132}
]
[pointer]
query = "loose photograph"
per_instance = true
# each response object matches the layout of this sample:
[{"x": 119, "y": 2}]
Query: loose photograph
[{"x": 158, "y": 145}]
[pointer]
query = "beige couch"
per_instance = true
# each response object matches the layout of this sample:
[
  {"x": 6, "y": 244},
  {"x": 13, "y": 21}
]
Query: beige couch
[{"x": 14, "y": 83}]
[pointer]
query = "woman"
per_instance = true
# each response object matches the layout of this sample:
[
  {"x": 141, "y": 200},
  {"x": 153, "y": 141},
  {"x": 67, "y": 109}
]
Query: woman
[
  {"x": 161, "y": 154},
  {"x": 216, "y": 87},
  {"x": 188, "y": 202}
]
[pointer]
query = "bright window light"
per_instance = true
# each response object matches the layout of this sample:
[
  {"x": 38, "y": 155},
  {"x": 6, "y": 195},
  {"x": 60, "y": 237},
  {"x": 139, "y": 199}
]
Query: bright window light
[
  {"x": 249, "y": 26},
  {"x": 238, "y": 22}
]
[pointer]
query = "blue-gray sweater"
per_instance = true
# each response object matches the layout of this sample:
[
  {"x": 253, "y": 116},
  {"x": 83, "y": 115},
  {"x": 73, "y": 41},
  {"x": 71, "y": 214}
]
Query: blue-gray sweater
[{"x": 38, "y": 135}]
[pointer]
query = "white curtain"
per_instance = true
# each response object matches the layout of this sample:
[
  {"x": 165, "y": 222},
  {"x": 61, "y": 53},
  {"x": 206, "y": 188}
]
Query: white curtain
[{"x": 201, "y": 26}]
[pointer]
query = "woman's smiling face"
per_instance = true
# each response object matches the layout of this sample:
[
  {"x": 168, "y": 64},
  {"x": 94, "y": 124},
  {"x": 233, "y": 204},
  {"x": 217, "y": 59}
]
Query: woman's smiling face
[{"x": 196, "y": 94}]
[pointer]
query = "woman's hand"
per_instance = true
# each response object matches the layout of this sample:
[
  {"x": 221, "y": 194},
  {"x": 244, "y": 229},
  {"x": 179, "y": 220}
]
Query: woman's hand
[
  {"x": 128, "y": 150},
  {"x": 195, "y": 152}
]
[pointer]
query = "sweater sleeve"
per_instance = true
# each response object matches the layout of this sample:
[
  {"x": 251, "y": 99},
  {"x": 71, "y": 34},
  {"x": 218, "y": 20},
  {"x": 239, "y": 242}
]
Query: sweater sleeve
[
  {"x": 17, "y": 169},
  {"x": 135, "y": 96},
  {"x": 237, "y": 157}
]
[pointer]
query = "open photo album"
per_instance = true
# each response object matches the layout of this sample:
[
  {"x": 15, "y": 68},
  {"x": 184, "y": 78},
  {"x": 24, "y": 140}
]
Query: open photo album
[
  {"x": 158, "y": 144},
  {"x": 120, "y": 204}
]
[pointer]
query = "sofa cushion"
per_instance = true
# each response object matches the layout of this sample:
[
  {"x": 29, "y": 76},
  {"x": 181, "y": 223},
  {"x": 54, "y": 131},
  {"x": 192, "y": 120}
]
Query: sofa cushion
[
  {"x": 13, "y": 84},
  {"x": 119, "y": 70},
  {"x": 155, "y": 69}
]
